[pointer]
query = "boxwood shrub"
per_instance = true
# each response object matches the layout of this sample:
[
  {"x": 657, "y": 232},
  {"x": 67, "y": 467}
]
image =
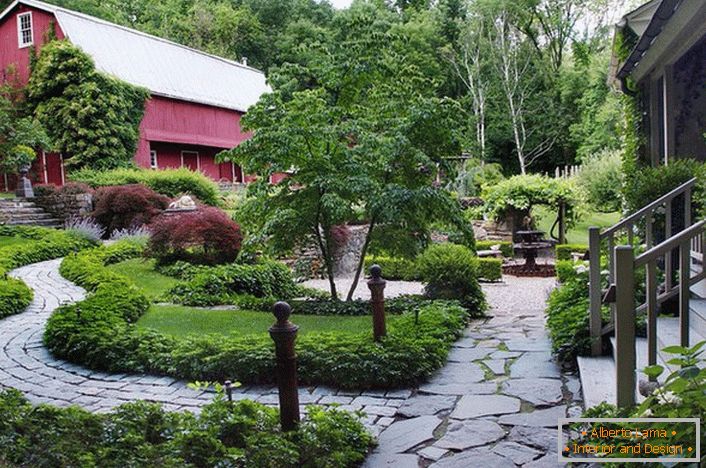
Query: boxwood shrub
[
  {"x": 241, "y": 434},
  {"x": 100, "y": 333},
  {"x": 404, "y": 269},
  {"x": 490, "y": 269},
  {"x": 564, "y": 251},
  {"x": 169, "y": 182},
  {"x": 46, "y": 244}
]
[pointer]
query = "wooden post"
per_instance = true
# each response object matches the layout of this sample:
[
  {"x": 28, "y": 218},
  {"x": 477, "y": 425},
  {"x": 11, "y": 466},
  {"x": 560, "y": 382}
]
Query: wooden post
[
  {"x": 594, "y": 287},
  {"x": 684, "y": 291},
  {"x": 562, "y": 223},
  {"x": 625, "y": 326},
  {"x": 284, "y": 333},
  {"x": 668, "y": 267},
  {"x": 377, "y": 300},
  {"x": 652, "y": 315}
]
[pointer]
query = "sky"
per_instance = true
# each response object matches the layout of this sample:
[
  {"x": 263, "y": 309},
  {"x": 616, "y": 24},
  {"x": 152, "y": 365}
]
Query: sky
[{"x": 340, "y": 4}]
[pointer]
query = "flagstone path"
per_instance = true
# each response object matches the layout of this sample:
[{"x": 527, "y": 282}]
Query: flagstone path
[{"x": 495, "y": 404}]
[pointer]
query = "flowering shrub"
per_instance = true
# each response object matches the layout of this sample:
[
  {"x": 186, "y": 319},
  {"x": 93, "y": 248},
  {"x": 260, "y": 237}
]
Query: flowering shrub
[
  {"x": 207, "y": 236},
  {"x": 127, "y": 206}
]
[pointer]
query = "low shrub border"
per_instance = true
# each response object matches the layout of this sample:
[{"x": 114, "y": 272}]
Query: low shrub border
[
  {"x": 242, "y": 434},
  {"x": 100, "y": 333},
  {"x": 564, "y": 251},
  {"x": 403, "y": 269},
  {"x": 15, "y": 296},
  {"x": 490, "y": 269}
]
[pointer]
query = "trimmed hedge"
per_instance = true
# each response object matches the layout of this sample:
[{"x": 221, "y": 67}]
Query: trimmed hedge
[
  {"x": 505, "y": 246},
  {"x": 169, "y": 182},
  {"x": 564, "y": 251},
  {"x": 15, "y": 296},
  {"x": 241, "y": 434},
  {"x": 100, "y": 333},
  {"x": 490, "y": 269}
]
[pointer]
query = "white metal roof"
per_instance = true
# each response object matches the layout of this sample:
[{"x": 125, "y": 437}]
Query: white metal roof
[{"x": 163, "y": 67}]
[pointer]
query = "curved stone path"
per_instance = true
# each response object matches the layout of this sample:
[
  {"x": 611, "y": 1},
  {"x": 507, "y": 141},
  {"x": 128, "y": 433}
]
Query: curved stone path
[{"x": 495, "y": 404}]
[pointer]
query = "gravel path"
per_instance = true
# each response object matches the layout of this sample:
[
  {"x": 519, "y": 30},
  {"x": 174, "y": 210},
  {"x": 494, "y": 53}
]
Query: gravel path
[{"x": 494, "y": 404}]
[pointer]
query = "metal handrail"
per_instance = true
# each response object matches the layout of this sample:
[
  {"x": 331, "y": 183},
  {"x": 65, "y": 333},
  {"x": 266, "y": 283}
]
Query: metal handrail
[
  {"x": 648, "y": 208},
  {"x": 670, "y": 244}
]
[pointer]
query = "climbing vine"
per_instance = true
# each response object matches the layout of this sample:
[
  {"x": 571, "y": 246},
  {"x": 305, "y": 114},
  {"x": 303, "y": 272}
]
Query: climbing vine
[{"x": 92, "y": 118}]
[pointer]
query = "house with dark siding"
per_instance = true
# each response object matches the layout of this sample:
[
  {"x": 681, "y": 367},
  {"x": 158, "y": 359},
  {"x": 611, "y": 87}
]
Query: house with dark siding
[{"x": 196, "y": 99}]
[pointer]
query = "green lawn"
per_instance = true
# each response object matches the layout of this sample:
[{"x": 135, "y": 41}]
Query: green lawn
[
  {"x": 7, "y": 195},
  {"x": 12, "y": 240},
  {"x": 579, "y": 233},
  {"x": 182, "y": 321},
  {"x": 141, "y": 272}
]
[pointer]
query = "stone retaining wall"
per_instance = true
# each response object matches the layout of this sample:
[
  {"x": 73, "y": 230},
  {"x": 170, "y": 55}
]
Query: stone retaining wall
[{"x": 64, "y": 207}]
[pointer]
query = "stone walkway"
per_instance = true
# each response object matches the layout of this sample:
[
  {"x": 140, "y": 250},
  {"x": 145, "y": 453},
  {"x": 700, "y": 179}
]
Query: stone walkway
[
  {"x": 495, "y": 404},
  {"x": 497, "y": 401}
]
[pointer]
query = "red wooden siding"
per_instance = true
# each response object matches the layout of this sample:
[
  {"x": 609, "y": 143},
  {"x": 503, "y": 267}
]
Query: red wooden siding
[
  {"x": 11, "y": 56},
  {"x": 172, "y": 155}
]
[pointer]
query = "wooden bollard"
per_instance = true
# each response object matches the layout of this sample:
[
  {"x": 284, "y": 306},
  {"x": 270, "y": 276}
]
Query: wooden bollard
[
  {"x": 377, "y": 300},
  {"x": 284, "y": 333}
]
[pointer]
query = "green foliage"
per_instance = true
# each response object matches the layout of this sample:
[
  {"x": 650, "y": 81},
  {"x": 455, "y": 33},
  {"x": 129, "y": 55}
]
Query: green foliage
[
  {"x": 99, "y": 333},
  {"x": 450, "y": 271},
  {"x": 505, "y": 246},
  {"x": 490, "y": 269},
  {"x": 524, "y": 191},
  {"x": 222, "y": 284},
  {"x": 682, "y": 395},
  {"x": 473, "y": 176},
  {"x": 564, "y": 251},
  {"x": 394, "y": 268},
  {"x": 100, "y": 115},
  {"x": 170, "y": 182},
  {"x": 45, "y": 244},
  {"x": 601, "y": 178},
  {"x": 567, "y": 270},
  {"x": 20, "y": 136},
  {"x": 243, "y": 433},
  {"x": 649, "y": 183}
]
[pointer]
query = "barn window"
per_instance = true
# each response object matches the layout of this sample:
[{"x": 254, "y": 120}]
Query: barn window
[
  {"x": 153, "y": 159},
  {"x": 25, "y": 35}
]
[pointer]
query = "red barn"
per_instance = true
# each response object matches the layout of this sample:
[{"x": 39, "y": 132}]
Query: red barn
[{"x": 196, "y": 99}]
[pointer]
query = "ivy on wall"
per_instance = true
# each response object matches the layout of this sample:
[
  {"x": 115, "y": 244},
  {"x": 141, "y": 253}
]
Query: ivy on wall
[{"x": 92, "y": 118}]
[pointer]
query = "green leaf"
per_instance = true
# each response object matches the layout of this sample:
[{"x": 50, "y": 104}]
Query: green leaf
[
  {"x": 653, "y": 371},
  {"x": 675, "y": 350}
]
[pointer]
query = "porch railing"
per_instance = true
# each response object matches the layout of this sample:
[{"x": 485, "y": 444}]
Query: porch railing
[
  {"x": 626, "y": 265},
  {"x": 640, "y": 224}
]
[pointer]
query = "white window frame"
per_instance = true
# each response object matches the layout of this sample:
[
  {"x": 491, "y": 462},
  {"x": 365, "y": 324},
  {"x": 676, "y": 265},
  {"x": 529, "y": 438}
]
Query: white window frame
[
  {"x": 154, "y": 163},
  {"x": 21, "y": 44},
  {"x": 198, "y": 158}
]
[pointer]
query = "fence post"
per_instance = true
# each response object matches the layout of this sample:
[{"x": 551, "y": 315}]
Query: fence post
[
  {"x": 594, "y": 285},
  {"x": 284, "y": 333},
  {"x": 377, "y": 300},
  {"x": 625, "y": 325}
]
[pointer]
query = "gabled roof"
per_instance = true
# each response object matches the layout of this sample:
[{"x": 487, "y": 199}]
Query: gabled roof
[{"x": 163, "y": 67}]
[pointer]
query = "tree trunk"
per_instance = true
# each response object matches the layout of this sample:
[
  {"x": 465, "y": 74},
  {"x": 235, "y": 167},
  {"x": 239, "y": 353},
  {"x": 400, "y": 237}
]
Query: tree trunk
[
  {"x": 361, "y": 260},
  {"x": 328, "y": 262}
]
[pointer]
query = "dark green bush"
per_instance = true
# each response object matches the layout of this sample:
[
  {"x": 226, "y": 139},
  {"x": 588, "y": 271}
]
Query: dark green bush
[
  {"x": 99, "y": 333},
  {"x": 169, "y": 182},
  {"x": 505, "y": 246},
  {"x": 219, "y": 285},
  {"x": 15, "y": 296},
  {"x": 393, "y": 268},
  {"x": 566, "y": 270},
  {"x": 649, "y": 183},
  {"x": 242, "y": 434},
  {"x": 450, "y": 271},
  {"x": 490, "y": 269},
  {"x": 564, "y": 251}
]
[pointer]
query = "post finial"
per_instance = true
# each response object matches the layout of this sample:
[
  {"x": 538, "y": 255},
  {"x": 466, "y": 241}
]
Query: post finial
[
  {"x": 376, "y": 271},
  {"x": 282, "y": 311}
]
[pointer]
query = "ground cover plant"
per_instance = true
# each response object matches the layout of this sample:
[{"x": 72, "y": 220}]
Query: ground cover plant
[
  {"x": 21, "y": 246},
  {"x": 240, "y": 434},
  {"x": 101, "y": 333}
]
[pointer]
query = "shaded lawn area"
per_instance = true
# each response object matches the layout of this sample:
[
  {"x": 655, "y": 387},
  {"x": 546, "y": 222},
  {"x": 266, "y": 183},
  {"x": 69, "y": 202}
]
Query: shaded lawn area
[
  {"x": 579, "y": 233},
  {"x": 6, "y": 241},
  {"x": 141, "y": 272},
  {"x": 182, "y": 321}
]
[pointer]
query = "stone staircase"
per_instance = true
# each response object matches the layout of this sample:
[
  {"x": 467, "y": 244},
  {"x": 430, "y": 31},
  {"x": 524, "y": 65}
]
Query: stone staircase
[{"x": 23, "y": 212}]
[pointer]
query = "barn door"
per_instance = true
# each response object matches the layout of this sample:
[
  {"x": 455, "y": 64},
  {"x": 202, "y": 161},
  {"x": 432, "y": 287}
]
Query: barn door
[{"x": 190, "y": 160}]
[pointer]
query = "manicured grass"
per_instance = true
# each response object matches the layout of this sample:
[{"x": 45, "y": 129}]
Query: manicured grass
[
  {"x": 12, "y": 240},
  {"x": 579, "y": 233},
  {"x": 141, "y": 272},
  {"x": 183, "y": 321}
]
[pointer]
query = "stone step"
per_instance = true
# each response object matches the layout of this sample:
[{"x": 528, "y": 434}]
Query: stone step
[
  {"x": 50, "y": 222},
  {"x": 698, "y": 315},
  {"x": 668, "y": 334},
  {"x": 597, "y": 380},
  {"x": 27, "y": 216},
  {"x": 641, "y": 353}
]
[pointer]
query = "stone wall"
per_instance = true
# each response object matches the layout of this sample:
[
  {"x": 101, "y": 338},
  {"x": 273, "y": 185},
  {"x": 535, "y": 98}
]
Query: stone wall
[
  {"x": 347, "y": 255},
  {"x": 66, "y": 206}
]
